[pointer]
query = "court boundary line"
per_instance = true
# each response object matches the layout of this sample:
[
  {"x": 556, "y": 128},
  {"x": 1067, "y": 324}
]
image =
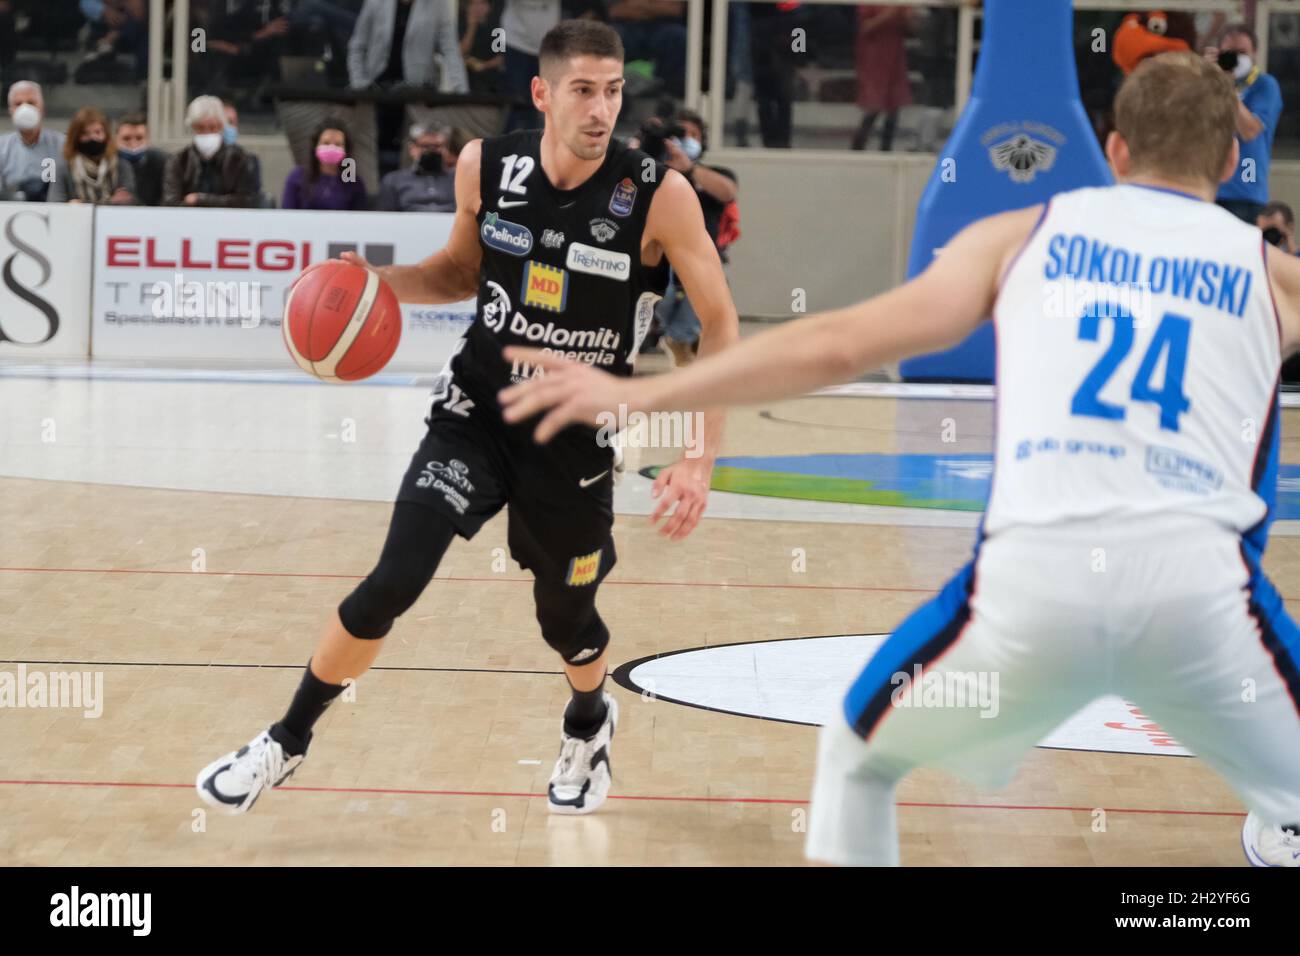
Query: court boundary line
[{"x": 667, "y": 798}]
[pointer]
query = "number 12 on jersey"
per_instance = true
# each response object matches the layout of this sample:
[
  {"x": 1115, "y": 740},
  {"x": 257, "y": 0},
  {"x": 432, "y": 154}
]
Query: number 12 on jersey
[{"x": 1170, "y": 340}]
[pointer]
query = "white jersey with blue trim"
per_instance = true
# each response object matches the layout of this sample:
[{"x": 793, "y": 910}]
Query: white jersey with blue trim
[{"x": 1138, "y": 352}]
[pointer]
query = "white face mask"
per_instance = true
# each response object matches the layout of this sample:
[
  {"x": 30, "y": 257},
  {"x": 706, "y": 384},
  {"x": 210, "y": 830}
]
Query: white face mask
[
  {"x": 27, "y": 117},
  {"x": 207, "y": 144},
  {"x": 1243, "y": 66}
]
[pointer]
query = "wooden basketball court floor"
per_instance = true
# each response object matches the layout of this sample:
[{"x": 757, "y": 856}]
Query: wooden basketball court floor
[{"x": 186, "y": 537}]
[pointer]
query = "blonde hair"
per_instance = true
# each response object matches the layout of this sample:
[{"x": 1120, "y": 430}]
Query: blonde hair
[{"x": 1177, "y": 113}]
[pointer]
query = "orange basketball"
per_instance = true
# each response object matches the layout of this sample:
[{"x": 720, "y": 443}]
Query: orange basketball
[{"x": 341, "y": 322}]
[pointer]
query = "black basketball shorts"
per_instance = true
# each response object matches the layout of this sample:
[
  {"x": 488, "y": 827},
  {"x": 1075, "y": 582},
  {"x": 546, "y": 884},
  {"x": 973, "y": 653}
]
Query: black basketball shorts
[{"x": 559, "y": 497}]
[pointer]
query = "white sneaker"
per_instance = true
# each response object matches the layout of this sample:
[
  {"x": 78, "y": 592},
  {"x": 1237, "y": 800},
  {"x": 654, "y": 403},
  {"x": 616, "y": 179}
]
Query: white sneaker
[
  {"x": 233, "y": 783},
  {"x": 1269, "y": 844},
  {"x": 581, "y": 779}
]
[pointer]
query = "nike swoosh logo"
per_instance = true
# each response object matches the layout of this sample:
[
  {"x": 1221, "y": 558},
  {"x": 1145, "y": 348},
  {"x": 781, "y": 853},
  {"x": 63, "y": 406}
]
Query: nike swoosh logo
[
  {"x": 507, "y": 203},
  {"x": 584, "y": 482}
]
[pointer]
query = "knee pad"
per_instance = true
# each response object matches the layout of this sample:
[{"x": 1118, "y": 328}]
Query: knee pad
[
  {"x": 386, "y": 594},
  {"x": 417, "y": 539},
  {"x": 570, "y": 623}
]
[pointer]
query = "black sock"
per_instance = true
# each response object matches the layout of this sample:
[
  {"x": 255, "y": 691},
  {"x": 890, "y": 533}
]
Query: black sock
[
  {"x": 586, "y": 712},
  {"x": 313, "y": 696}
]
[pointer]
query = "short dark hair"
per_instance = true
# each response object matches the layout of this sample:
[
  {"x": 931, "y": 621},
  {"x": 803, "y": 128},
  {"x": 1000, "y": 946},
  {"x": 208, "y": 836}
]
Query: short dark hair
[
  {"x": 570, "y": 38},
  {"x": 1240, "y": 29},
  {"x": 690, "y": 116},
  {"x": 132, "y": 119},
  {"x": 1277, "y": 206}
]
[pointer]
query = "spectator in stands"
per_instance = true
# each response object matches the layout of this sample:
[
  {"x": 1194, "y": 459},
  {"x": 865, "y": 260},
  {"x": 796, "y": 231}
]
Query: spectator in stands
[
  {"x": 147, "y": 163},
  {"x": 429, "y": 185},
  {"x": 718, "y": 192},
  {"x": 208, "y": 172},
  {"x": 90, "y": 171},
  {"x": 8, "y": 40},
  {"x": 399, "y": 42},
  {"x": 484, "y": 57},
  {"x": 771, "y": 26},
  {"x": 1278, "y": 223},
  {"x": 230, "y": 136},
  {"x": 115, "y": 25},
  {"x": 1258, "y": 109},
  {"x": 881, "y": 62},
  {"x": 29, "y": 154},
  {"x": 248, "y": 37},
  {"x": 654, "y": 30},
  {"x": 525, "y": 23},
  {"x": 329, "y": 180},
  {"x": 335, "y": 20}
]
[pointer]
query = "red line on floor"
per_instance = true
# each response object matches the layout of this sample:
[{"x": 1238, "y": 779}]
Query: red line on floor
[
  {"x": 389, "y": 791},
  {"x": 492, "y": 580}
]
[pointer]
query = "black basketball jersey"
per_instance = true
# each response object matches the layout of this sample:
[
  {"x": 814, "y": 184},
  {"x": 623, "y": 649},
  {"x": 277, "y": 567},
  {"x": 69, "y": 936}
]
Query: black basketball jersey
[{"x": 561, "y": 268}]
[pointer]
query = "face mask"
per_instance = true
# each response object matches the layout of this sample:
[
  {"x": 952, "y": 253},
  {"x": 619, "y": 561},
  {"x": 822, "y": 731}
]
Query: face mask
[
  {"x": 92, "y": 148},
  {"x": 207, "y": 144},
  {"x": 331, "y": 155},
  {"x": 130, "y": 154},
  {"x": 229, "y": 134},
  {"x": 27, "y": 117},
  {"x": 431, "y": 162},
  {"x": 690, "y": 146},
  {"x": 1243, "y": 66}
]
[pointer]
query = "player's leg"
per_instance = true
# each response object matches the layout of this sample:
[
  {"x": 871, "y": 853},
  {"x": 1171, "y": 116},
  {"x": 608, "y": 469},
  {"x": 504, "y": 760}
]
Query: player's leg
[
  {"x": 1219, "y": 669},
  {"x": 967, "y": 683},
  {"x": 572, "y": 626},
  {"x": 450, "y": 488},
  {"x": 560, "y": 530}
]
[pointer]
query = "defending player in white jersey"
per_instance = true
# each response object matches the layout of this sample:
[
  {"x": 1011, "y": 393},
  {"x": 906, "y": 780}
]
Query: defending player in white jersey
[{"x": 1140, "y": 332}]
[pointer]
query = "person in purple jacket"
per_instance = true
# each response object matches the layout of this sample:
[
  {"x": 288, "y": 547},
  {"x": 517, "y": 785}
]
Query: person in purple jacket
[{"x": 329, "y": 180}]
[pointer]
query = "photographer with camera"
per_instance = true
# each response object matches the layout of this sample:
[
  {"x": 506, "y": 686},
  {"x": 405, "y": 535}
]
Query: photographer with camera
[
  {"x": 1278, "y": 224},
  {"x": 679, "y": 141},
  {"x": 1259, "y": 105}
]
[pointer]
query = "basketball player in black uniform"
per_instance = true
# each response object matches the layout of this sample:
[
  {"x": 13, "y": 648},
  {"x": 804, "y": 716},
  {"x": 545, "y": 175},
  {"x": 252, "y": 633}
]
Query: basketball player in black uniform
[{"x": 555, "y": 232}]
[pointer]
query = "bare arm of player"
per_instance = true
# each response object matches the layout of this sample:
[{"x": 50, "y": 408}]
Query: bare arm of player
[
  {"x": 936, "y": 310},
  {"x": 1284, "y": 277},
  {"x": 451, "y": 273},
  {"x": 676, "y": 222}
]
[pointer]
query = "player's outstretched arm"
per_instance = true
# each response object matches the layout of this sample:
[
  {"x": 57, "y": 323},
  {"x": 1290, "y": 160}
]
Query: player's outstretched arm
[
  {"x": 451, "y": 273},
  {"x": 676, "y": 222},
  {"x": 1284, "y": 277},
  {"x": 936, "y": 310}
]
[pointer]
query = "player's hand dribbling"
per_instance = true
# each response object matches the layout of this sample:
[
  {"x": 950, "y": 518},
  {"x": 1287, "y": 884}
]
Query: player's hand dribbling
[
  {"x": 570, "y": 393},
  {"x": 356, "y": 260}
]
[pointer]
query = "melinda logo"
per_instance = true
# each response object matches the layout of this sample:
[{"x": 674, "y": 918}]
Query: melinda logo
[
  {"x": 506, "y": 236},
  {"x": 599, "y": 262}
]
